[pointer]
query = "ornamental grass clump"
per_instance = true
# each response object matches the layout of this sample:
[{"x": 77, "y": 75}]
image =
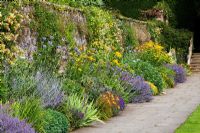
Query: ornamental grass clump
[
  {"x": 30, "y": 109},
  {"x": 139, "y": 90},
  {"x": 79, "y": 111},
  {"x": 109, "y": 105},
  {"x": 14, "y": 125}
]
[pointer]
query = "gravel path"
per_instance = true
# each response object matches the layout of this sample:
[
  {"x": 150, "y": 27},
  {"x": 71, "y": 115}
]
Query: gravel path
[{"x": 163, "y": 115}]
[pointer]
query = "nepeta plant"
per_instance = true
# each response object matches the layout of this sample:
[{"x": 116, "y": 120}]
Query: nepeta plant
[
  {"x": 14, "y": 125},
  {"x": 180, "y": 73},
  {"x": 138, "y": 87}
]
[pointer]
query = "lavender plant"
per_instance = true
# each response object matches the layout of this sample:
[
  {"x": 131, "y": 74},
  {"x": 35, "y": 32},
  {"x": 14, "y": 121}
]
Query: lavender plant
[{"x": 14, "y": 125}]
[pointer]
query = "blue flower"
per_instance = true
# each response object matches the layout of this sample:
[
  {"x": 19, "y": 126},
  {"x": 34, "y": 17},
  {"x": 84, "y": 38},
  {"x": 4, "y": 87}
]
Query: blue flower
[
  {"x": 50, "y": 43},
  {"x": 44, "y": 46},
  {"x": 51, "y": 37},
  {"x": 77, "y": 50},
  {"x": 44, "y": 38}
]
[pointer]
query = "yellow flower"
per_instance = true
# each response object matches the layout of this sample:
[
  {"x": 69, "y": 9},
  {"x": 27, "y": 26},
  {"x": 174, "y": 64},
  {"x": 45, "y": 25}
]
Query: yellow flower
[
  {"x": 91, "y": 58},
  {"x": 153, "y": 88},
  {"x": 11, "y": 62},
  {"x": 12, "y": 15},
  {"x": 118, "y": 54},
  {"x": 116, "y": 62}
]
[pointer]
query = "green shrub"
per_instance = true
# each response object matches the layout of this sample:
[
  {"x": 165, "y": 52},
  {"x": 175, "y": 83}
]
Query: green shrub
[
  {"x": 102, "y": 79},
  {"x": 3, "y": 90},
  {"x": 20, "y": 79},
  {"x": 104, "y": 33},
  {"x": 56, "y": 122},
  {"x": 178, "y": 39},
  {"x": 168, "y": 76},
  {"x": 72, "y": 86},
  {"x": 168, "y": 11},
  {"x": 131, "y": 8},
  {"x": 129, "y": 36},
  {"x": 30, "y": 109},
  {"x": 169, "y": 37},
  {"x": 50, "y": 34},
  {"x": 79, "y": 2},
  {"x": 147, "y": 71}
]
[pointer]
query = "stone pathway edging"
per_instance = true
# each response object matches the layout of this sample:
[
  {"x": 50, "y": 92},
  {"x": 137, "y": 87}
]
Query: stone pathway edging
[{"x": 162, "y": 115}]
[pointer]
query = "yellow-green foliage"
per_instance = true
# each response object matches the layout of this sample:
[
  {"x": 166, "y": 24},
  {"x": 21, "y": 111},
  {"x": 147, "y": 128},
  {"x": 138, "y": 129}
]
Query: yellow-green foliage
[
  {"x": 10, "y": 23},
  {"x": 153, "y": 53},
  {"x": 30, "y": 109},
  {"x": 104, "y": 33}
]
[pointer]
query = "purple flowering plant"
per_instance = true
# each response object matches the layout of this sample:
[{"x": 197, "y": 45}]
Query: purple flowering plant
[
  {"x": 121, "y": 103},
  {"x": 49, "y": 89},
  {"x": 14, "y": 125},
  {"x": 140, "y": 90},
  {"x": 180, "y": 72},
  {"x": 9, "y": 124}
]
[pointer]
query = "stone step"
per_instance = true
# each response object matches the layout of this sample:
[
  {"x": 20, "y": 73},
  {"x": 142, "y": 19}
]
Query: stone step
[
  {"x": 195, "y": 62},
  {"x": 195, "y": 71},
  {"x": 195, "y": 66},
  {"x": 195, "y": 59},
  {"x": 195, "y": 53}
]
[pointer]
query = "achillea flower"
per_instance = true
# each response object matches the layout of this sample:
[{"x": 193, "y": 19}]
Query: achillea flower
[
  {"x": 91, "y": 58},
  {"x": 118, "y": 54},
  {"x": 116, "y": 62}
]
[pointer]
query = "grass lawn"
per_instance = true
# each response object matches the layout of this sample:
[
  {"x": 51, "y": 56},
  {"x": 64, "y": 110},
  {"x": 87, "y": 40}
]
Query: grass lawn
[{"x": 192, "y": 124}]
